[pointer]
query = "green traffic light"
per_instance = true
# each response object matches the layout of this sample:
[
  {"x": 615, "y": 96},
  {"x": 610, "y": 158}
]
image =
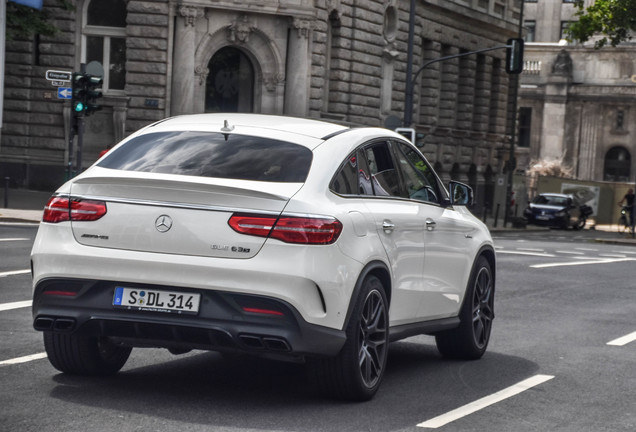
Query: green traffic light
[{"x": 79, "y": 107}]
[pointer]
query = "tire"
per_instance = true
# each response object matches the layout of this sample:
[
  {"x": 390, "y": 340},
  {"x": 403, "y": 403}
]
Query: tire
[
  {"x": 78, "y": 355},
  {"x": 356, "y": 372},
  {"x": 622, "y": 225},
  {"x": 470, "y": 340},
  {"x": 580, "y": 223}
]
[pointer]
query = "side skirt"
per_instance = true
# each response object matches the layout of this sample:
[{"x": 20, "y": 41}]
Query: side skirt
[{"x": 425, "y": 327}]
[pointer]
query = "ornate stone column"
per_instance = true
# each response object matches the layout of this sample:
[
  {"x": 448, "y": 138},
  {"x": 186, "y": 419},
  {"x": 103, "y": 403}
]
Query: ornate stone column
[
  {"x": 556, "y": 97},
  {"x": 297, "y": 73},
  {"x": 183, "y": 61}
]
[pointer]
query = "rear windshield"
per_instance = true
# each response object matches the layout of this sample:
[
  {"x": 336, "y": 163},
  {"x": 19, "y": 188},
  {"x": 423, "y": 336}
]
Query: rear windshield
[{"x": 208, "y": 154}]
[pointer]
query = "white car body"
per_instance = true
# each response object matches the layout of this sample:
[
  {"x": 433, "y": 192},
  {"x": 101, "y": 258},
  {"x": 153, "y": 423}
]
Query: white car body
[{"x": 424, "y": 251}]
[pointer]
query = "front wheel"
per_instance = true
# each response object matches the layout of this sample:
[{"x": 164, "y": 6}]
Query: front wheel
[
  {"x": 78, "y": 355},
  {"x": 357, "y": 371},
  {"x": 470, "y": 340}
]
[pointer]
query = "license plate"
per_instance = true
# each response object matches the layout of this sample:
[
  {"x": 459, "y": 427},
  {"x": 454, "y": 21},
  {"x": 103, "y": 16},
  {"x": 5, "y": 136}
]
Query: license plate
[
  {"x": 543, "y": 217},
  {"x": 156, "y": 300}
]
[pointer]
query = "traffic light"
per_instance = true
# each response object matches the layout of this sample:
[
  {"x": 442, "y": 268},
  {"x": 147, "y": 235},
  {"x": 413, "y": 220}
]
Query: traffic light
[
  {"x": 78, "y": 101},
  {"x": 86, "y": 91},
  {"x": 514, "y": 56},
  {"x": 93, "y": 92}
]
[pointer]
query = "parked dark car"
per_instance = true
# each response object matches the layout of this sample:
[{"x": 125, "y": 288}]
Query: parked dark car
[{"x": 558, "y": 211}]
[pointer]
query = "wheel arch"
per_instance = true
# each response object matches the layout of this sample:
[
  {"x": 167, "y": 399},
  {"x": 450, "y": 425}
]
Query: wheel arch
[{"x": 374, "y": 268}]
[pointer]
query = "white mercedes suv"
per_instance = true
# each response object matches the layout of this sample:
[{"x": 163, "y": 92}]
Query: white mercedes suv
[{"x": 282, "y": 237}]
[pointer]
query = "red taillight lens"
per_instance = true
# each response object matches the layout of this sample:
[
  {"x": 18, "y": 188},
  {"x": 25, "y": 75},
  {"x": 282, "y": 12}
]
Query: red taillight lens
[
  {"x": 57, "y": 210},
  {"x": 87, "y": 210},
  {"x": 60, "y": 209},
  {"x": 300, "y": 230}
]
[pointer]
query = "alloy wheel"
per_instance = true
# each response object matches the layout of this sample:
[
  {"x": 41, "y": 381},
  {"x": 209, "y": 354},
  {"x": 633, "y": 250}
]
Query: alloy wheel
[
  {"x": 483, "y": 311},
  {"x": 373, "y": 338}
]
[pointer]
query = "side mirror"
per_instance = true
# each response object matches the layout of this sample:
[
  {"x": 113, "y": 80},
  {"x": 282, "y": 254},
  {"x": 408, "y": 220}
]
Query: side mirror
[{"x": 460, "y": 194}]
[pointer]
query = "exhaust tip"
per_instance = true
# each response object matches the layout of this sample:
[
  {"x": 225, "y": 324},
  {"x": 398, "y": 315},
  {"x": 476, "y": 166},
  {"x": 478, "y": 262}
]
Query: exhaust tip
[{"x": 43, "y": 323}]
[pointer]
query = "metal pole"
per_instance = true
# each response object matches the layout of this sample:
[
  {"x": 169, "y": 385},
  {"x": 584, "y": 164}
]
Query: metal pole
[
  {"x": 6, "y": 192},
  {"x": 514, "y": 88},
  {"x": 408, "y": 99}
]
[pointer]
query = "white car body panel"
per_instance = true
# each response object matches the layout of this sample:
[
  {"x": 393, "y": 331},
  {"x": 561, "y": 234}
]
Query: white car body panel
[{"x": 428, "y": 269}]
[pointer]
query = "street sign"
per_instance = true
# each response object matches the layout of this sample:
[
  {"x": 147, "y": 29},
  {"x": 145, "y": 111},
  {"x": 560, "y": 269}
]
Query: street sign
[
  {"x": 55, "y": 75},
  {"x": 64, "y": 93},
  {"x": 58, "y": 83}
]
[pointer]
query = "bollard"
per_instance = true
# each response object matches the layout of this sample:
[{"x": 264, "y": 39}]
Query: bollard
[
  {"x": 6, "y": 192},
  {"x": 496, "y": 215}
]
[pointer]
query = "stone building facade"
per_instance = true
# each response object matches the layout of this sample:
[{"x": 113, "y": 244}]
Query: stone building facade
[
  {"x": 338, "y": 60},
  {"x": 577, "y": 104}
]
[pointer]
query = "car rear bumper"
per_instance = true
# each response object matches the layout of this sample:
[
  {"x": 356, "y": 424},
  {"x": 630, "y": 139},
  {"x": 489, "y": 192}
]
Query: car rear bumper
[{"x": 221, "y": 324}]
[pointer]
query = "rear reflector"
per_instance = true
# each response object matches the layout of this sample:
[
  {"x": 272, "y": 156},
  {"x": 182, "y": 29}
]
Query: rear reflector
[
  {"x": 61, "y": 209},
  {"x": 263, "y": 311},
  {"x": 299, "y": 230}
]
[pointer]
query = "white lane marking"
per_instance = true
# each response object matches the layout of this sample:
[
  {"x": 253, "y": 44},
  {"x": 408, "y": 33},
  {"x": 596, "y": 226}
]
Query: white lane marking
[
  {"x": 484, "y": 402},
  {"x": 612, "y": 256},
  {"x": 15, "y": 305},
  {"x": 531, "y": 250},
  {"x": 24, "y": 359},
  {"x": 14, "y": 239},
  {"x": 586, "y": 249},
  {"x": 575, "y": 263},
  {"x": 621, "y": 341},
  {"x": 524, "y": 253},
  {"x": 14, "y": 272},
  {"x": 570, "y": 252},
  {"x": 625, "y": 252}
]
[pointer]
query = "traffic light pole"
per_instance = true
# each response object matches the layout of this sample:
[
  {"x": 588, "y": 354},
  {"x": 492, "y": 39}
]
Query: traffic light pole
[{"x": 410, "y": 83}]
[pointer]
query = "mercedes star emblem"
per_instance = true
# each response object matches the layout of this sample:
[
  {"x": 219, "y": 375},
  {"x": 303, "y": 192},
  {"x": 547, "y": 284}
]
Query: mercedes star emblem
[{"x": 163, "y": 223}]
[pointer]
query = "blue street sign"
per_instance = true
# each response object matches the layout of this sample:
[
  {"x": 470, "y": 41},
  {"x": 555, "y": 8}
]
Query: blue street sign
[
  {"x": 37, "y": 4},
  {"x": 64, "y": 93}
]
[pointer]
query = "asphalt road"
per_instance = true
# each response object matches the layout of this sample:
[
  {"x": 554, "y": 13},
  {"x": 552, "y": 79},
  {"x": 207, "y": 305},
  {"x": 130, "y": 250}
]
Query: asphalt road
[{"x": 560, "y": 299}]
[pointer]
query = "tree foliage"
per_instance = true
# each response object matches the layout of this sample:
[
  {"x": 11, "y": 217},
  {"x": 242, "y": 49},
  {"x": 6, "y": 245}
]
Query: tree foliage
[
  {"x": 24, "y": 21},
  {"x": 615, "y": 20}
]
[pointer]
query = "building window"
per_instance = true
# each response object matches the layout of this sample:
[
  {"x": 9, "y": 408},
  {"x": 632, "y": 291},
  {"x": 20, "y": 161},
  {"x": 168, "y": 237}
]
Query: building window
[
  {"x": 531, "y": 27},
  {"x": 525, "y": 121},
  {"x": 564, "y": 30},
  {"x": 104, "y": 42},
  {"x": 569, "y": 1},
  {"x": 531, "y": 1},
  {"x": 620, "y": 120},
  {"x": 618, "y": 162}
]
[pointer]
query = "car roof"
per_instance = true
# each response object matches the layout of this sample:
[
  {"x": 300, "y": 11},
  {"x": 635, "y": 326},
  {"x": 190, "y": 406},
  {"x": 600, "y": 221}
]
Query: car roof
[{"x": 249, "y": 124}]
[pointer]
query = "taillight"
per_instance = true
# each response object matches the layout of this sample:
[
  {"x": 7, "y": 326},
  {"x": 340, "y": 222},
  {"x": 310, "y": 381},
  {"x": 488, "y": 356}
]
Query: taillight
[
  {"x": 289, "y": 229},
  {"x": 60, "y": 209}
]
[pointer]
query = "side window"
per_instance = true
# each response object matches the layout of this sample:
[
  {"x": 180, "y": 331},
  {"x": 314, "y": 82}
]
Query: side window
[
  {"x": 384, "y": 175},
  {"x": 104, "y": 41},
  {"x": 354, "y": 177},
  {"x": 418, "y": 176},
  {"x": 345, "y": 182}
]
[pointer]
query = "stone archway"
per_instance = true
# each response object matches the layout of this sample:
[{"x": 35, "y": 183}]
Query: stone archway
[{"x": 265, "y": 59}]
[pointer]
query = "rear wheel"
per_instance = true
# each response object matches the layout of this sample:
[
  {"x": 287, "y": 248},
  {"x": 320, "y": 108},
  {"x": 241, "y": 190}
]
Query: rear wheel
[
  {"x": 357, "y": 371},
  {"x": 79, "y": 355},
  {"x": 470, "y": 340},
  {"x": 580, "y": 224}
]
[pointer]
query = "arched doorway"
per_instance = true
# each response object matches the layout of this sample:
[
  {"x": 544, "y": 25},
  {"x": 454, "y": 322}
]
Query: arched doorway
[
  {"x": 618, "y": 163},
  {"x": 230, "y": 82}
]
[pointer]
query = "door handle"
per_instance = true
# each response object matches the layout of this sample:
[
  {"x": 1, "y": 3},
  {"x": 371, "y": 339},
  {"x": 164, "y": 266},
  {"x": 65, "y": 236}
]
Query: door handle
[
  {"x": 430, "y": 224},
  {"x": 388, "y": 226}
]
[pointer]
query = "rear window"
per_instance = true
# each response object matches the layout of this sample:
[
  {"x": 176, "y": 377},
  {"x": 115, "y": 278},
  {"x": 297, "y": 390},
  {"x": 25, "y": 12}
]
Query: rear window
[{"x": 208, "y": 154}]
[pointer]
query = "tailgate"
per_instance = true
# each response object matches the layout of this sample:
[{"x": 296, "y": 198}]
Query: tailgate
[{"x": 152, "y": 213}]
